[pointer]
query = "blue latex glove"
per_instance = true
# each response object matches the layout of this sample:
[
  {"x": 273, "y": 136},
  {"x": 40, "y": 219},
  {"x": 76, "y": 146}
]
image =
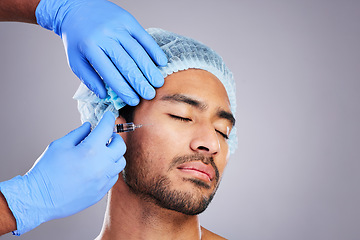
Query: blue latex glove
[
  {"x": 73, "y": 173},
  {"x": 105, "y": 43}
]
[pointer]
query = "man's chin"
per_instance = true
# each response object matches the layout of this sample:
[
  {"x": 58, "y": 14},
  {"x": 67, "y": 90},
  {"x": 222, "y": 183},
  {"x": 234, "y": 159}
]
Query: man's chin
[
  {"x": 189, "y": 196},
  {"x": 189, "y": 203},
  {"x": 199, "y": 183},
  {"x": 186, "y": 208}
]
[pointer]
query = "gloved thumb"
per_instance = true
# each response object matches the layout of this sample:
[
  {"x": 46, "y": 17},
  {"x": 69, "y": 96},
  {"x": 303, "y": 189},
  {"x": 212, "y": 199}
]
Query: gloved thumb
[{"x": 77, "y": 135}]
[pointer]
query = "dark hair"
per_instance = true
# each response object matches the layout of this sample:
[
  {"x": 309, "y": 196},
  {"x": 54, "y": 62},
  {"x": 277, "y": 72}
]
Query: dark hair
[{"x": 127, "y": 112}]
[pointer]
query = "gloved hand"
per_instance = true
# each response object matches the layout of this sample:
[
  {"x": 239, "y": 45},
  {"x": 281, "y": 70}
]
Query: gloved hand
[
  {"x": 105, "y": 43},
  {"x": 73, "y": 173}
]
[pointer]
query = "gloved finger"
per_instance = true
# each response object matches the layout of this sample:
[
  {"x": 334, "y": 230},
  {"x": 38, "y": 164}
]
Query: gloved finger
[
  {"x": 103, "y": 131},
  {"x": 83, "y": 69},
  {"x": 110, "y": 74},
  {"x": 109, "y": 184},
  {"x": 143, "y": 61},
  {"x": 149, "y": 44},
  {"x": 77, "y": 135},
  {"x": 117, "y": 167},
  {"x": 117, "y": 144},
  {"x": 130, "y": 70}
]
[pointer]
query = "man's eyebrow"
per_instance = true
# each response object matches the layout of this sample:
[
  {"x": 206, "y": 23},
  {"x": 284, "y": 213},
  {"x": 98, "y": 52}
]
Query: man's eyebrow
[
  {"x": 185, "y": 99},
  {"x": 226, "y": 115}
]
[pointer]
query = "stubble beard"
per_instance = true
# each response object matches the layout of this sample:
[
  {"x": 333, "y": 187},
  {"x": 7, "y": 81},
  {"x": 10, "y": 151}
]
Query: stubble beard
[{"x": 158, "y": 188}]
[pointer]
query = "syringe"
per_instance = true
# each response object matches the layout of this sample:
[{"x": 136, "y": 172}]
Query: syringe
[{"x": 126, "y": 127}]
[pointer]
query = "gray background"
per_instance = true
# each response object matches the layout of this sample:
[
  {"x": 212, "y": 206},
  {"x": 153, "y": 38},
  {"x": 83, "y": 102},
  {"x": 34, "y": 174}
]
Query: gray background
[{"x": 297, "y": 63}]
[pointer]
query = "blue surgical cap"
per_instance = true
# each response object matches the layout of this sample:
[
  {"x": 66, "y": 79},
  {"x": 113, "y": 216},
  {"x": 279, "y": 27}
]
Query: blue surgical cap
[{"x": 182, "y": 53}]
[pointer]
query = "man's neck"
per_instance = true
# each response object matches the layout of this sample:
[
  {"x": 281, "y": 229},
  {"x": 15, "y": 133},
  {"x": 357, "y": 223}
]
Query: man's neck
[{"x": 129, "y": 216}]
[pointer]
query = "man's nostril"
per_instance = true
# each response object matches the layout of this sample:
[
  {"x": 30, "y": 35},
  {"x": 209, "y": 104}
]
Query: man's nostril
[{"x": 203, "y": 148}]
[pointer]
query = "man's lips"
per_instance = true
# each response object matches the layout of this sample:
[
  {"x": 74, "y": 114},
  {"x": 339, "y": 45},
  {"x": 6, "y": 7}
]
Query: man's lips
[{"x": 199, "y": 170}]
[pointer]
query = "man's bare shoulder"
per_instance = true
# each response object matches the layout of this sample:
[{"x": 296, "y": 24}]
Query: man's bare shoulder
[{"x": 207, "y": 235}]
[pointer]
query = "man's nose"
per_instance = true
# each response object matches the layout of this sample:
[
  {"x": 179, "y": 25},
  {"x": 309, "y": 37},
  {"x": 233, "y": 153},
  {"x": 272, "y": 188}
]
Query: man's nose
[{"x": 205, "y": 140}]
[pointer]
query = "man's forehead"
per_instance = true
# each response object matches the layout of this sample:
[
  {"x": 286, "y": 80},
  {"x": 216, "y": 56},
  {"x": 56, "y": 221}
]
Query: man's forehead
[
  {"x": 182, "y": 98},
  {"x": 197, "y": 83}
]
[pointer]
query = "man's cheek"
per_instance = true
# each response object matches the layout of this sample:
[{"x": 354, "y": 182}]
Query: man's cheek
[
  {"x": 221, "y": 166},
  {"x": 162, "y": 134}
]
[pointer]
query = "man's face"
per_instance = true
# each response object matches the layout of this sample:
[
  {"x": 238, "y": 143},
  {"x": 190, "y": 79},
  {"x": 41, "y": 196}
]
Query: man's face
[{"x": 178, "y": 157}]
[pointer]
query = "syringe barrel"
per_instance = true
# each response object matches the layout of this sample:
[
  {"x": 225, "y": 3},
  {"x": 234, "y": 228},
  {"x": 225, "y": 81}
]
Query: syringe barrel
[{"x": 124, "y": 127}]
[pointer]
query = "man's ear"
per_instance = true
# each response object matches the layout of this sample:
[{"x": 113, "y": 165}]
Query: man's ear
[{"x": 120, "y": 120}]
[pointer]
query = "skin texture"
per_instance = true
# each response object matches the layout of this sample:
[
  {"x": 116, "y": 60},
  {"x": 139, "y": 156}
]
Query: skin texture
[
  {"x": 18, "y": 10},
  {"x": 172, "y": 128},
  {"x": 7, "y": 220}
]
